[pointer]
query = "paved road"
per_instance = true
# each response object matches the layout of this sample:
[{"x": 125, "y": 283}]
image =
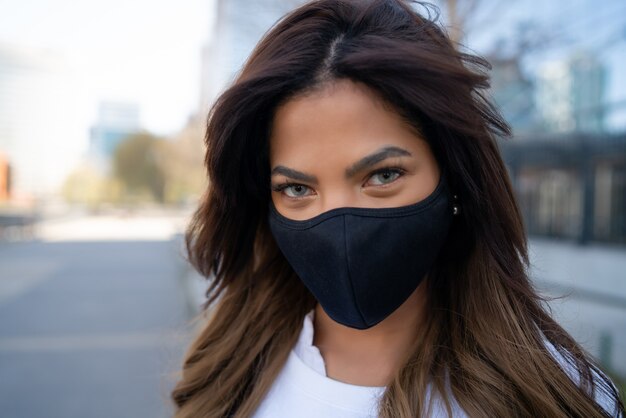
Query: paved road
[{"x": 90, "y": 329}]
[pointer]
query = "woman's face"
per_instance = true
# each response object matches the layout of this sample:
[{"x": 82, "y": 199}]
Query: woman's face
[{"x": 340, "y": 147}]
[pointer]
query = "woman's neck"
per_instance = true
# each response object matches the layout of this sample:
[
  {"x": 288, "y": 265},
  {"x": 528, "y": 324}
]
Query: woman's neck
[{"x": 369, "y": 357}]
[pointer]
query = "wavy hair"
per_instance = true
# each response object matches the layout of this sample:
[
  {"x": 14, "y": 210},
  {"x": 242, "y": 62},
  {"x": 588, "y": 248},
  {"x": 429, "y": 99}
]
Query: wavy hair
[{"x": 489, "y": 343}]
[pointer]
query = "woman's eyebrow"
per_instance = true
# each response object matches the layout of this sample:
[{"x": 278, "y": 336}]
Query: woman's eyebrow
[
  {"x": 294, "y": 174},
  {"x": 376, "y": 157}
]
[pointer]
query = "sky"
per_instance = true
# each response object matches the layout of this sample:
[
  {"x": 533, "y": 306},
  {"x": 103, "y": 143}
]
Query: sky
[{"x": 144, "y": 51}]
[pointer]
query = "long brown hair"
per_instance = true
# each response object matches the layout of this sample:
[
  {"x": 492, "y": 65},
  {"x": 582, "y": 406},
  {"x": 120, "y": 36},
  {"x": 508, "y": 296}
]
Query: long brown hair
[{"x": 486, "y": 345}]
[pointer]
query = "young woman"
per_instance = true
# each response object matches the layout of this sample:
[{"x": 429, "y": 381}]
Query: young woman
[{"x": 366, "y": 253}]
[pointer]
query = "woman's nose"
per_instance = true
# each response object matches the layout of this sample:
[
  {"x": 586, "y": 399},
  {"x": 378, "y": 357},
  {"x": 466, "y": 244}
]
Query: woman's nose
[{"x": 338, "y": 200}]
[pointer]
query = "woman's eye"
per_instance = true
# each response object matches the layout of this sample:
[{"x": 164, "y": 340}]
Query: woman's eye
[
  {"x": 296, "y": 190},
  {"x": 384, "y": 177}
]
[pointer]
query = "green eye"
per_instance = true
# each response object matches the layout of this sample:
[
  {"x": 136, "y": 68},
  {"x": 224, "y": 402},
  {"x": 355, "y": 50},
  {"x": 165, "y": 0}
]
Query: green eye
[
  {"x": 384, "y": 177},
  {"x": 296, "y": 190}
]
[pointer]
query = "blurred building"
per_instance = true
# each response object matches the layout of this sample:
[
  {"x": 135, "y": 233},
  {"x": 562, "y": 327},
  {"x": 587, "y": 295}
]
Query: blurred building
[
  {"x": 240, "y": 24},
  {"x": 571, "y": 186},
  {"x": 513, "y": 93},
  {"x": 115, "y": 121},
  {"x": 38, "y": 130},
  {"x": 571, "y": 177},
  {"x": 570, "y": 94}
]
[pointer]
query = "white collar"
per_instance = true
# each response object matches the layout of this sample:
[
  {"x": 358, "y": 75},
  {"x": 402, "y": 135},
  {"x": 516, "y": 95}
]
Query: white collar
[
  {"x": 304, "y": 348},
  {"x": 311, "y": 359}
]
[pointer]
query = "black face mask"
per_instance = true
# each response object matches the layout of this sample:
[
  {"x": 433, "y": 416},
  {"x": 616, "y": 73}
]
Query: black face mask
[{"x": 361, "y": 264}]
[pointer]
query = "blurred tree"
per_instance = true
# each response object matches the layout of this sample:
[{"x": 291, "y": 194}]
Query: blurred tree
[
  {"x": 183, "y": 164},
  {"x": 512, "y": 88},
  {"x": 86, "y": 186},
  {"x": 137, "y": 163},
  {"x": 478, "y": 17},
  {"x": 458, "y": 17}
]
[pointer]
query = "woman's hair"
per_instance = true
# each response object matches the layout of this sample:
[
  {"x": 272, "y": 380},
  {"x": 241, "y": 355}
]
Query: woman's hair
[{"x": 489, "y": 343}]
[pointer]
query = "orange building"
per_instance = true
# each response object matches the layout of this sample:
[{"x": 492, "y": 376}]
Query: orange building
[{"x": 5, "y": 178}]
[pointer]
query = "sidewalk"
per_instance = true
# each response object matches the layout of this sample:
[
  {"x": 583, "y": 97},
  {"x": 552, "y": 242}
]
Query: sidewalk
[
  {"x": 594, "y": 269},
  {"x": 590, "y": 284}
]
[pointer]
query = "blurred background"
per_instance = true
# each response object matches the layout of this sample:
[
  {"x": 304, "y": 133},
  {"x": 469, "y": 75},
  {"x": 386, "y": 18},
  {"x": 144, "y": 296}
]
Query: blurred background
[{"x": 102, "y": 108}]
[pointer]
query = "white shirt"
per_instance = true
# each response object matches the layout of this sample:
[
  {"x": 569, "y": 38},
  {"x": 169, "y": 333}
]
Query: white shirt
[{"x": 303, "y": 390}]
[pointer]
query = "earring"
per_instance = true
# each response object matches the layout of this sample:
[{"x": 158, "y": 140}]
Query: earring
[{"x": 455, "y": 208}]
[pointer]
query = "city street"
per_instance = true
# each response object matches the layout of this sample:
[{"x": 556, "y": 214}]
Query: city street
[{"x": 92, "y": 328}]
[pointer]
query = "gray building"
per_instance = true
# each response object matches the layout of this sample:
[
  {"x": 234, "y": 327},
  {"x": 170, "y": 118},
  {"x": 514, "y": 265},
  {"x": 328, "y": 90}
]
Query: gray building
[
  {"x": 513, "y": 93},
  {"x": 239, "y": 25},
  {"x": 570, "y": 94},
  {"x": 115, "y": 121}
]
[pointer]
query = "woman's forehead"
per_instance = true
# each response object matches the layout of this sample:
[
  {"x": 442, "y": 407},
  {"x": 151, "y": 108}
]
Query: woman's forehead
[{"x": 344, "y": 114}]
